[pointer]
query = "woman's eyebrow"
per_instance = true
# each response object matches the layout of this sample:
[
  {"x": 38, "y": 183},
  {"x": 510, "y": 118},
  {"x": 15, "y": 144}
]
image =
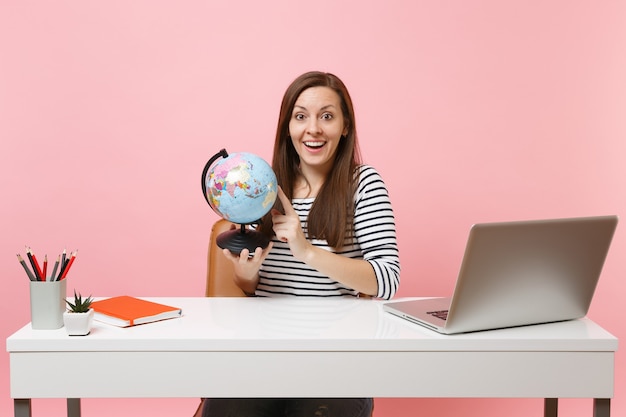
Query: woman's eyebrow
[{"x": 326, "y": 107}]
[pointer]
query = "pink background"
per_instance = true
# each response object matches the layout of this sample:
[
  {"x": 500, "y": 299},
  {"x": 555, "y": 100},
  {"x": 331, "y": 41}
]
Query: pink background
[{"x": 472, "y": 110}]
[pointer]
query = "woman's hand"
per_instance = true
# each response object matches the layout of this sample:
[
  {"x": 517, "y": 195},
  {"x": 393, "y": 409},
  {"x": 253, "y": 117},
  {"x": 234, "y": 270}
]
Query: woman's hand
[
  {"x": 354, "y": 273},
  {"x": 288, "y": 229},
  {"x": 246, "y": 266}
]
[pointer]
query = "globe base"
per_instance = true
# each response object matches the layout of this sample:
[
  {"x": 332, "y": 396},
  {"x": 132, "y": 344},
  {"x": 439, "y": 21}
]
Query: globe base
[{"x": 237, "y": 240}]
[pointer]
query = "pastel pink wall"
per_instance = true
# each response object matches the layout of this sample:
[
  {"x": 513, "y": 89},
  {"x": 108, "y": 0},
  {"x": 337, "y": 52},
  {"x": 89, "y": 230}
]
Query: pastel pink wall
[{"x": 472, "y": 110}]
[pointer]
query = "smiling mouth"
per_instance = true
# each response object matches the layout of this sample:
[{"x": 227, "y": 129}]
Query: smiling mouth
[{"x": 314, "y": 144}]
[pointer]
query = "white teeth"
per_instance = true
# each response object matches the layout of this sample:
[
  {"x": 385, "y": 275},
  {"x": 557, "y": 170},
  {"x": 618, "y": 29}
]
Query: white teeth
[{"x": 314, "y": 144}]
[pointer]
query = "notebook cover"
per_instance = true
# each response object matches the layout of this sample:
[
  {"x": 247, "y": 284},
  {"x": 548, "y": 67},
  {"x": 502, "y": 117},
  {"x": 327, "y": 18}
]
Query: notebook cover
[{"x": 125, "y": 311}]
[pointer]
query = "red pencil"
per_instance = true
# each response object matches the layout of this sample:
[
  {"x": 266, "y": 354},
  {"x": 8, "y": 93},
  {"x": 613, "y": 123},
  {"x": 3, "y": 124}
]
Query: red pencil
[
  {"x": 37, "y": 268},
  {"x": 69, "y": 264},
  {"x": 45, "y": 268}
]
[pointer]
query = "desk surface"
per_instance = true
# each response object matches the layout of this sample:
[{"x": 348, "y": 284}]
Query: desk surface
[
  {"x": 234, "y": 346},
  {"x": 244, "y": 324}
]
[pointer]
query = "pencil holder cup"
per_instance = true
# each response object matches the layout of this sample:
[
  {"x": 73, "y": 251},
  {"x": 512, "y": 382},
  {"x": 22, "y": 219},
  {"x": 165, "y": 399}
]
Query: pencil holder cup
[{"x": 47, "y": 304}]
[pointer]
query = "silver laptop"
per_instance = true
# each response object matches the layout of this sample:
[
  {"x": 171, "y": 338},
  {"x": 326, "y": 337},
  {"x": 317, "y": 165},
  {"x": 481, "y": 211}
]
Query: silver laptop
[{"x": 519, "y": 273}]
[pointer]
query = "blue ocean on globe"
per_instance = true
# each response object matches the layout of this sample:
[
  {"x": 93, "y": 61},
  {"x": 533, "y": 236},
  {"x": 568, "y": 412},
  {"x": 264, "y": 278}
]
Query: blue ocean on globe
[{"x": 241, "y": 187}]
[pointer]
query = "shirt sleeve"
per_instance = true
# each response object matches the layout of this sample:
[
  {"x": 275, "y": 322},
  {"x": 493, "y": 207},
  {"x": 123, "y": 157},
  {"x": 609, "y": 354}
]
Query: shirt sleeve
[{"x": 375, "y": 230}]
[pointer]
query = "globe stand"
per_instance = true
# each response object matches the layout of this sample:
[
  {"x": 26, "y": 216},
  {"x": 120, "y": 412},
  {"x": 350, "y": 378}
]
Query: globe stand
[{"x": 237, "y": 240}]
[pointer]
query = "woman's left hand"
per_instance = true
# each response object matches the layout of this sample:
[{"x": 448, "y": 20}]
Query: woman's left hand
[{"x": 288, "y": 229}]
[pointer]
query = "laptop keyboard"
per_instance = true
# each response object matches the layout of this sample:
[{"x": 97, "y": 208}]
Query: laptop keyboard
[{"x": 441, "y": 314}]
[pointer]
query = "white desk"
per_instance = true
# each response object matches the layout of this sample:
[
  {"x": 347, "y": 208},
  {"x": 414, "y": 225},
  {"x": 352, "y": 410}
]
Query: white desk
[{"x": 234, "y": 347}]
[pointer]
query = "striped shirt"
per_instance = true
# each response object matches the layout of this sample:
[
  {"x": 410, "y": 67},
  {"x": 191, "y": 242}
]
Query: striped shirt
[{"x": 374, "y": 240}]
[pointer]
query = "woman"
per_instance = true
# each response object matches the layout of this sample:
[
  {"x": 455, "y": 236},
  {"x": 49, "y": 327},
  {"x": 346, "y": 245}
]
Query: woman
[{"x": 332, "y": 229}]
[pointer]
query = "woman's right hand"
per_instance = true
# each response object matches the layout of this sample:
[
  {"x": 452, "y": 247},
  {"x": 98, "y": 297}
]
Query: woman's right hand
[{"x": 247, "y": 266}]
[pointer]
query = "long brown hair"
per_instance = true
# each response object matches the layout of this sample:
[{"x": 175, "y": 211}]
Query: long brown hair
[{"x": 332, "y": 214}]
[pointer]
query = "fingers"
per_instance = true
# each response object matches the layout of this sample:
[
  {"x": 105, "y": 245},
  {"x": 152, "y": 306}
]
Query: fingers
[
  {"x": 289, "y": 210},
  {"x": 245, "y": 256},
  {"x": 229, "y": 255},
  {"x": 241, "y": 258}
]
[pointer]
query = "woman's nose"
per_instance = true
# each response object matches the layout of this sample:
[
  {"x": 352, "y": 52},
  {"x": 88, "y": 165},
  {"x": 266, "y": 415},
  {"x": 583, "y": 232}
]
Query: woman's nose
[{"x": 314, "y": 126}]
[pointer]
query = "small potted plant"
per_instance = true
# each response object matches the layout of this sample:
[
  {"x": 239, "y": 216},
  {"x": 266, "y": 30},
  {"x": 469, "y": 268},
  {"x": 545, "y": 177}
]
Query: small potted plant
[{"x": 79, "y": 316}]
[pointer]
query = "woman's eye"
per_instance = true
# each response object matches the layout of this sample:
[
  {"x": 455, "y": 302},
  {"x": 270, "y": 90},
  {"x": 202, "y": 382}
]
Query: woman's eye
[
  {"x": 327, "y": 116},
  {"x": 299, "y": 116}
]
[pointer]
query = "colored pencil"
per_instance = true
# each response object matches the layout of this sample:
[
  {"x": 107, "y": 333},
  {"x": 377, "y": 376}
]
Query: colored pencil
[
  {"x": 69, "y": 264},
  {"x": 30, "y": 274},
  {"x": 39, "y": 273},
  {"x": 44, "y": 273},
  {"x": 54, "y": 270},
  {"x": 63, "y": 264},
  {"x": 33, "y": 263}
]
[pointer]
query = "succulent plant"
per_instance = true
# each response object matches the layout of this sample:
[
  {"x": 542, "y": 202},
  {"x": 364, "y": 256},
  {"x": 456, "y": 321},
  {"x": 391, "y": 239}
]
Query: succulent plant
[{"x": 80, "y": 305}]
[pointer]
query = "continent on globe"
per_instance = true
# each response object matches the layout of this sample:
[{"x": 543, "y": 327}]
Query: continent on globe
[{"x": 241, "y": 187}]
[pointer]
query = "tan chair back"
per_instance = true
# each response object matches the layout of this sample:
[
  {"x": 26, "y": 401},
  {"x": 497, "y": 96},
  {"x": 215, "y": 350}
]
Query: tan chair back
[{"x": 220, "y": 272}]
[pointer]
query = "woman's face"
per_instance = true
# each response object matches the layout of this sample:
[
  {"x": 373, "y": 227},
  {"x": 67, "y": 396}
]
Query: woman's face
[{"x": 316, "y": 127}]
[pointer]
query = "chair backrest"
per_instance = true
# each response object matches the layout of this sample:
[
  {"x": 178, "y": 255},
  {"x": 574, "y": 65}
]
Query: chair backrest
[{"x": 219, "y": 276}]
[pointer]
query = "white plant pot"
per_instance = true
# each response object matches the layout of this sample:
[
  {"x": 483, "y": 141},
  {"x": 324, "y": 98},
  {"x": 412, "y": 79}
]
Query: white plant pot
[{"x": 78, "y": 324}]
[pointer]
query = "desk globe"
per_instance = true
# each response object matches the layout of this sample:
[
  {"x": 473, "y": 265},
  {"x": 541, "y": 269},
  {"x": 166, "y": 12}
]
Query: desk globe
[{"x": 241, "y": 188}]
